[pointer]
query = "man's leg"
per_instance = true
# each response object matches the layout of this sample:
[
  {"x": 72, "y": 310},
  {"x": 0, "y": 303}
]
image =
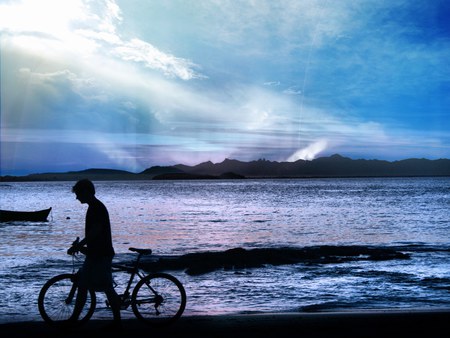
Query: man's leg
[
  {"x": 79, "y": 304},
  {"x": 114, "y": 301}
]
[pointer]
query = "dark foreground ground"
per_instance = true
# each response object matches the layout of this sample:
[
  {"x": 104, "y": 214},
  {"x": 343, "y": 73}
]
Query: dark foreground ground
[{"x": 384, "y": 324}]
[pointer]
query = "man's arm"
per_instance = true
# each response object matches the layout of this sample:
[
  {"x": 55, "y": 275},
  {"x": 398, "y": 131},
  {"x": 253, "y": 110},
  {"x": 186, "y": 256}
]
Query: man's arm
[
  {"x": 77, "y": 245},
  {"x": 94, "y": 231}
]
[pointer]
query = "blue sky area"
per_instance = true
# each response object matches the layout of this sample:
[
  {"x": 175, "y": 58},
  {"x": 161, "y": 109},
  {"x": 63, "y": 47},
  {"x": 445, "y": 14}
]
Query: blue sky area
[{"x": 129, "y": 84}]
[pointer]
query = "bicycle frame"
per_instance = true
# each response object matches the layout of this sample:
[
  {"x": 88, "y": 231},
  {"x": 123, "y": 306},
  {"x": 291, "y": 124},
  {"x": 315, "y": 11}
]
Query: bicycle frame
[
  {"x": 134, "y": 271},
  {"x": 73, "y": 289}
]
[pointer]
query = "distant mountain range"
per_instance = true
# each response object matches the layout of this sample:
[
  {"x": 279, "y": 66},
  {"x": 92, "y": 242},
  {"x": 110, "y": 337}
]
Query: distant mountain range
[{"x": 333, "y": 166}]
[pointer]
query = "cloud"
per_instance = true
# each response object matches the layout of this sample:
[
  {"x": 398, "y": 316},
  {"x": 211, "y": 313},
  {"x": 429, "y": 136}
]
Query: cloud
[
  {"x": 142, "y": 52},
  {"x": 310, "y": 152},
  {"x": 294, "y": 90},
  {"x": 83, "y": 29},
  {"x": 272, "y": 83}
]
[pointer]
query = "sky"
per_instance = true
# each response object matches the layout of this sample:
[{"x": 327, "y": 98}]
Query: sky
[{"x": 129, "y": 84}]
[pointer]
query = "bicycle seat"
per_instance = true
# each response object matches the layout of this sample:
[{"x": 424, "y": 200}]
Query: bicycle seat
[{"x": 141, "y": 251}]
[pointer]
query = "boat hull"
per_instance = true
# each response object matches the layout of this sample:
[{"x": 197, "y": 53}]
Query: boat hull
[{"x": 30, "y": 216}]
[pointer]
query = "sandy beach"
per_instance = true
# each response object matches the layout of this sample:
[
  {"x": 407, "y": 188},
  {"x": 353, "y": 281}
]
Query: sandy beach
[{"x": 379, "y": 323}]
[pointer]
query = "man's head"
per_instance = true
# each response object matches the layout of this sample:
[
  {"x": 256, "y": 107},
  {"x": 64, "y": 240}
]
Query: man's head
[{"x": 84, "y": 190}]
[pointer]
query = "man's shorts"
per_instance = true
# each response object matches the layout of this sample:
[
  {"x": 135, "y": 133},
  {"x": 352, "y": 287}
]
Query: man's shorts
[{"x": 95, "y": 274}]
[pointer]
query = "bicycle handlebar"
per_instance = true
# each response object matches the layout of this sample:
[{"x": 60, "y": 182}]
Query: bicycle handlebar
[{"x": 74, "y": 249}]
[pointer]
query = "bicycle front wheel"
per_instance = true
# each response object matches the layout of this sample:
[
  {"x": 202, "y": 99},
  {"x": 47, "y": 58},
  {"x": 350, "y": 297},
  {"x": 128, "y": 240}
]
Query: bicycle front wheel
[
  {"x": 57, "y": 298},
  {"x": 158, "y": 299}
]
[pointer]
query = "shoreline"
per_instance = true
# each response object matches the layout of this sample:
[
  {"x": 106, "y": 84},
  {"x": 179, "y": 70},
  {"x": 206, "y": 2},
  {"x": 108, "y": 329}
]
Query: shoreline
[{"x": 365, "y": 323}]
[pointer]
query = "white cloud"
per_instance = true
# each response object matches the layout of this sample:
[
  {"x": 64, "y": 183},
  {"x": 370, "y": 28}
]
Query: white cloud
[
  {"x": 293, "y": 91},
  {"x": 272, "y": 83},
  {"x": 50, "y": 17},
  {"x": 142, "y": 52},
  {"x": 310, "y": 152},
  {"x": 83, "y": 30}
]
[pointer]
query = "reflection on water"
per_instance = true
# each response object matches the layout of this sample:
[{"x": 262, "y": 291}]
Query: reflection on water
[
  {"x": 182, "y": 216},
  {"x": 178, "y": 217}
]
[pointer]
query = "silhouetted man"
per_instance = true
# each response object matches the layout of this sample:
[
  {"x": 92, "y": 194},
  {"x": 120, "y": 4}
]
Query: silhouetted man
[{"x": 96, "y": 272}]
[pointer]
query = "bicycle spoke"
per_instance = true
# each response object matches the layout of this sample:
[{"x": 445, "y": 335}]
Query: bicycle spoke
[
  {"x": 159, "y": 298},
  {"x": 57, "y": 298}
]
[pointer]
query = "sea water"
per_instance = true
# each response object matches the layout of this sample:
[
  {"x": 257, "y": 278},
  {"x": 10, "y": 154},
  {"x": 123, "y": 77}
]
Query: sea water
[{"x": 179, "y": 217}]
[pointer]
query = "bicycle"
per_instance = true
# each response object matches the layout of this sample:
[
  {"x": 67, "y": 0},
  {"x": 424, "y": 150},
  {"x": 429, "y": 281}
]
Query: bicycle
[{"x": 157, "y": 298}]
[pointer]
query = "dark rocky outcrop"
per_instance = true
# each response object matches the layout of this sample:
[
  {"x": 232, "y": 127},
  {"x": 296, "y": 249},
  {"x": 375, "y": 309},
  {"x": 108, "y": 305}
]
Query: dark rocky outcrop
[{"x": 238, "y": 258}]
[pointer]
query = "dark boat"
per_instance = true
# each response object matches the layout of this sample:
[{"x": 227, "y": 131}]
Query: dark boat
[{"x": 30, "y": 216}]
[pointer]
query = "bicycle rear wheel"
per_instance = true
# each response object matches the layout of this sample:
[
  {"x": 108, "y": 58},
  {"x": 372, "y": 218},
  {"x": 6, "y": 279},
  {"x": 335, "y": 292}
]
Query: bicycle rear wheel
[
  {"x": 57, "y": 298},
  {"x": 158, "y": 299}
]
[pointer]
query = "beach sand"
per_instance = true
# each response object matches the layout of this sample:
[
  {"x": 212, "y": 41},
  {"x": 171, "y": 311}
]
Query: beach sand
[{"x": 379, "y": 323}]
